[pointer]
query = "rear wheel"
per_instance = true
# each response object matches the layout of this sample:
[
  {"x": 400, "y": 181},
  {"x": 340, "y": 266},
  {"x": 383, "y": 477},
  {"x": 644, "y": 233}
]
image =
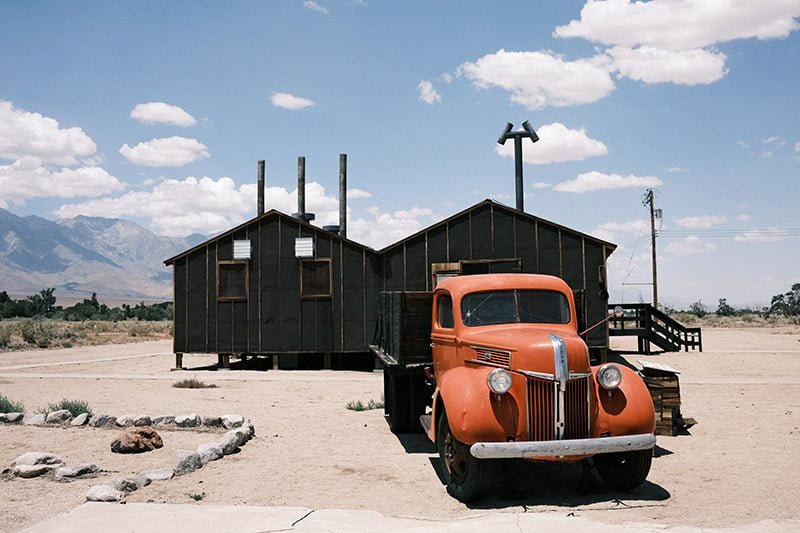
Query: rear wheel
[
  {"x": 466, "y": 477},
  {"x": 624, "y": 470}
]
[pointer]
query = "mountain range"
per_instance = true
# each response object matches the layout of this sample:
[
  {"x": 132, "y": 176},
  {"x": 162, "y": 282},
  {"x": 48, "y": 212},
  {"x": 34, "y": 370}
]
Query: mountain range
[{"x": 83, "y": 255}]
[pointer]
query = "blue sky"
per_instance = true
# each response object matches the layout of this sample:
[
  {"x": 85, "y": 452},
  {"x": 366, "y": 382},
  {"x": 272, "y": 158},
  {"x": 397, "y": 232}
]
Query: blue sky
[{"x": 157, "y": 112}]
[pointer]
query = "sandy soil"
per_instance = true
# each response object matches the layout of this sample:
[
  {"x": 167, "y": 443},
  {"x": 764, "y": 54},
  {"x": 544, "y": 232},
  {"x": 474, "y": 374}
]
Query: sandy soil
[{"x": 737, "y": 466}]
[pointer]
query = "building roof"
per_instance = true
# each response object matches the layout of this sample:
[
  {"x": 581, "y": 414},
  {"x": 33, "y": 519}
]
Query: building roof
[
  {"x": 511, "y": 210},
  {"x": 311, "y": 227},
  {"x": 252, "y": 221}
]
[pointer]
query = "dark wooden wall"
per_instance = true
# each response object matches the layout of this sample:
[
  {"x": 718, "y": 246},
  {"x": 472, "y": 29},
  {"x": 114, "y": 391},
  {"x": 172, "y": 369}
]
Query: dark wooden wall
[
  {"x": 490, "y": 231},
  {"x": 275, "y": 318}
]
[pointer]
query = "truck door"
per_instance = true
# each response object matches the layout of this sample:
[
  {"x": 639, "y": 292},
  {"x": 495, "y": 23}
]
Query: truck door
[{"x": 443, "y": 332}]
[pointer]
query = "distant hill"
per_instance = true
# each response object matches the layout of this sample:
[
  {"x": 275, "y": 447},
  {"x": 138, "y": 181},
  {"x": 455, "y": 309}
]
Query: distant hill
[{"x": 112, "y": 257}]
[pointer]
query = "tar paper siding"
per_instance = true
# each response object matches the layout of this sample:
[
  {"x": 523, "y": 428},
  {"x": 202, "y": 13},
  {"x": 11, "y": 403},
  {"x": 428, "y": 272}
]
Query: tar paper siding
[
  {"x": 274, "y": 317},
  {"x": 492, "y": 231}
]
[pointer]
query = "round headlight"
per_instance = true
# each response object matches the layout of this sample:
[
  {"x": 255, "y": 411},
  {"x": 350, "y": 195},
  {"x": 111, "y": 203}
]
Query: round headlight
[
  {"x": 609, "y": 376},
  {"x": 499, "y": 381}
]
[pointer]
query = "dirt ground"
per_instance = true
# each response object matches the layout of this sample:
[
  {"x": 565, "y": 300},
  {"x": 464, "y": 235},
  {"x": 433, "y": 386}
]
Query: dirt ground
[{"x": 738, "y": 466}]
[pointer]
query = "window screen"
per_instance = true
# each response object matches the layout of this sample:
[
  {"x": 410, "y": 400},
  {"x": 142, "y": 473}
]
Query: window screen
[
  {"x": 232, "y": 280},
  {"x": 315, "y": 278}
]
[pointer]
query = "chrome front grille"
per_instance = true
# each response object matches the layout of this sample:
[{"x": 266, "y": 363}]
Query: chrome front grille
[{"x": 544, "y": 422}]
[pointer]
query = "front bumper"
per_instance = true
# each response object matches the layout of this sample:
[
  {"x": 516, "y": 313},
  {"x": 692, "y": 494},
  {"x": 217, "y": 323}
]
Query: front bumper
[{"x": 562, "y": 448}]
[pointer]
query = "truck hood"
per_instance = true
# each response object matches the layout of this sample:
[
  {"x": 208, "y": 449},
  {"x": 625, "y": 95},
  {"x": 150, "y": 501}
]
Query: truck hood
[{"x": 531, "y": 346}]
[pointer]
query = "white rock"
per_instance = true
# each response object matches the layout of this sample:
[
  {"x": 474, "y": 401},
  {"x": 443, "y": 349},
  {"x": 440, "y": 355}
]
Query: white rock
[
  {"x": 33, "y": 419},
  {"x": 188, "y": 421},
  {"x": 29, "y": 471},
  {"x": 125, "y": 420},
  {"x": 75, "y": 471},
  {"x": 158, "y": 475},
  {"x": 37, "y": 458},
  {"x": 56, "y": 417},
  {"x": 131, "y": 484},
  {"x": 142, "y": 420},
  {"x": 104, "y": 493},
  {"x": 229, "y": 442},
  {"x": 209, "y": 451},
  {"x": 11, "y": 418},
  {"x": 187, "y": 462},
  {"x": 232, "y": 421},
  {"x": 80, "y": 420}
]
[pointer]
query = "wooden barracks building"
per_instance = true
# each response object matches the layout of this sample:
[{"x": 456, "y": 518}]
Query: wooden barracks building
[{"x": 307, "y": 297}]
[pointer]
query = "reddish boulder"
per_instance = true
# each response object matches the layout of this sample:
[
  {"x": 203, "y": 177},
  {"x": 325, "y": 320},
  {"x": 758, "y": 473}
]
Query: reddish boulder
[{"x": 137, "y": 440}]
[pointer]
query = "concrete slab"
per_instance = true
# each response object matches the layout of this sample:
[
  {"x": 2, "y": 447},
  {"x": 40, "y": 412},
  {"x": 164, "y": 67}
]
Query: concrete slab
[{"x": 148, "y": 517}]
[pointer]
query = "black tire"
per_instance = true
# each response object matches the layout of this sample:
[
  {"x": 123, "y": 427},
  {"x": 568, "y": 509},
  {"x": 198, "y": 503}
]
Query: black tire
[
  {"x": 466, "y": 477},
  {"x": 624, "y": 470}
]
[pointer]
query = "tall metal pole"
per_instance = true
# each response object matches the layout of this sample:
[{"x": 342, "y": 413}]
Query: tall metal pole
[
  {"x": 518, "y": 172},
  {"x": 648, "y": 199},
  {"x": 527, "y": 132},
  {"x": 301, "y": 186},
  {"x": 261, "y": 187},
  {"x": 343, "y": 195}
]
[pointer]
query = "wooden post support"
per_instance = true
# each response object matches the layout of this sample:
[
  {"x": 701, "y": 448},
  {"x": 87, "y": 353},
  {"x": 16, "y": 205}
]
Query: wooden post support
[
  {"x": 275, "y": 365},
  {"x": 224, "y": 361},
  {"x": 178, "y": 361}
]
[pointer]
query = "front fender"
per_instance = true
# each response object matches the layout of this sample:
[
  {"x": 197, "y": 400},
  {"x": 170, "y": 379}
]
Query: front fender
[
  {"x": 627, "y": 410},
  {"x": 474, "y": 413}
]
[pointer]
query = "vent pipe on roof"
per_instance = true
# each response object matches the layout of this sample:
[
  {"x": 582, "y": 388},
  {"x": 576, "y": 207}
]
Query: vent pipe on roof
[
  {"x": 301, "y": 191},
  {"x": 260, "y": 187},
  {"x": 343, "y": 195}
]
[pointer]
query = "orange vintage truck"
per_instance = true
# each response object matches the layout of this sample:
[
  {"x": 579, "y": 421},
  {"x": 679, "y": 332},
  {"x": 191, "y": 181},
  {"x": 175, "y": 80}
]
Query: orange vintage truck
[{"x": 510, "y": 378}]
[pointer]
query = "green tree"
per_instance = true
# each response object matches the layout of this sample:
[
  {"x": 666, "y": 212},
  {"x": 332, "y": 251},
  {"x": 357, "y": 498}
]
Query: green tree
[
  {"x": 724, "y": 309},
  {"x": 698, "y": 309},
  {"x": 786, "y": 304}
]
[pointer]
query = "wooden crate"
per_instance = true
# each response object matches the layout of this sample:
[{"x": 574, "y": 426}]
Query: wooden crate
[{"x": 662, "y": 382}]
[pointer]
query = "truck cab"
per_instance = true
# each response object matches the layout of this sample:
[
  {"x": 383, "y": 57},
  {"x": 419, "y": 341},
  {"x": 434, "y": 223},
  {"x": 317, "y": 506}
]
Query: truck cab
[{"x": 512, "y": 379}]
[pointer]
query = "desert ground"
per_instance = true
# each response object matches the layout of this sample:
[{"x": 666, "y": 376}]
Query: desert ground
[{"x": 738, "y": 466}]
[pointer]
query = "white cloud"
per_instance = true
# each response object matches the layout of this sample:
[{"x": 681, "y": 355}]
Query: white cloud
[
  {"x": 289, "y": 101},
  {"x": 744, "y": 218},
  {"x": 355, "y": 194},
  {"x": 28, "y": 178},
  {"x": 181, "y": 207},
  {"x": 682, "y": 24},
  {"x": 704, "y": 221},
  {"x": 595, "y": 181},
  {"x": 676, "y": 169},
  {"x": 427, "y": 93},
  {"x": 384, "y": 229},
  {"x": 556, "y": 144},
  {"x": 314, "y": 6},
  {"x": 797, "y": 147},
  {"x": 654, "y": 65},
  {"x": 691, "y": 245},
  {"x": 539, "y": 79},
  {"x": 772, "y": 140},
  {"x": 608, "y": 231},
  {"x": 162, "y": 113},
  {"x": 24, "y": 134},
  {"x": 542, "y": 185},
  {"x": 761, "y": 235},
  {"x": 165, "y": 152}
]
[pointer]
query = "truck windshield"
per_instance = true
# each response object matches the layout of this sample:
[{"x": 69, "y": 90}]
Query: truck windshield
[{"x": 511, "y": 306}]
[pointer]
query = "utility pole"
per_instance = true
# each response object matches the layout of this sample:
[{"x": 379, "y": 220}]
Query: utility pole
[{"x": 648, "y": 200}]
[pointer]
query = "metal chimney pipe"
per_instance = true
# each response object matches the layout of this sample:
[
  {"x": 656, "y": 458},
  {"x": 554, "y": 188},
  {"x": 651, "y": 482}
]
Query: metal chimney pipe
[
  {"x": 301, "y": 186},
  {"x": 260, "y": 187},
  {"x": 343, "y": 195}
]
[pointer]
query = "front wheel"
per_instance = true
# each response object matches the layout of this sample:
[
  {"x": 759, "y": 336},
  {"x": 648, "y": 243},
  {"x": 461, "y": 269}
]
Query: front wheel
[
  {"x": 466, "y": 477},
  {"x": 624, "y": 470}
]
